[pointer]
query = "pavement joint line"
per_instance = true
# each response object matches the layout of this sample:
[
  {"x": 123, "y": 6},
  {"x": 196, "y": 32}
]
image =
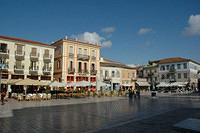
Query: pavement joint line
[{"x": 130, "y": 121}]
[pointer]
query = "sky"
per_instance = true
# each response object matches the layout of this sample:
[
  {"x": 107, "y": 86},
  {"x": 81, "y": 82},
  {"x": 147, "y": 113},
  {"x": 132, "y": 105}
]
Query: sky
[{"x": 129, "y": 31}]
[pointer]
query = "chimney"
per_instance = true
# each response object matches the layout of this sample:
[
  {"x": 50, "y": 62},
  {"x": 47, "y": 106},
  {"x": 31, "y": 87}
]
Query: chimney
[
  {"x": 66, "y": 38},
  {"x": 76, "y": 39}
]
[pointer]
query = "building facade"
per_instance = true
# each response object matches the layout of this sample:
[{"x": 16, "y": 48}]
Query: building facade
[
  {"x": 117, "y": 74},
  {"x": 26, "y": 59},
  {"x": 76, "y": 61}
]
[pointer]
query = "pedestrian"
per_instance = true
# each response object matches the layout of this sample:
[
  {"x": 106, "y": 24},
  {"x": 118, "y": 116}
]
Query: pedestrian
[
  {"x": 130, "y": 94},
  {"x": 3, "y": 94},
  {"x": 9, "y": 92}
]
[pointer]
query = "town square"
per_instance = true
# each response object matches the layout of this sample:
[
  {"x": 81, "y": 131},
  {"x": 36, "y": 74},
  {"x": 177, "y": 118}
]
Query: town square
[{"x": 99, "y": 66}]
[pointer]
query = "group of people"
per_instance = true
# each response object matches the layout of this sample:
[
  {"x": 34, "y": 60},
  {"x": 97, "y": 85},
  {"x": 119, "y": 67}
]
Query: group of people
[{"x": 132, "y": 93}]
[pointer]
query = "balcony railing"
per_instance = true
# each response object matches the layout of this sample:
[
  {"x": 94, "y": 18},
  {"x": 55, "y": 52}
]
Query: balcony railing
[
  {"x": 19, "y": 69},
  {"x": 33, "y": 69},
  {"x": 4, "y": 53},
  {"x": 19, "y": 55},
  {"x": 79, "y": 70},
  {"x": 172, "y": 69},
  {"x": 83, "y": 57},
  {"x": 85, "y": 71},
  {"x": 47, "y": 58},
  {"x": 93, "y": 72},
  {"x": 71, "y": 55},
  {"x": 71, "y": 71},
  {"x": 47, "y": 70},
  {"x": 93, "y": 58},
  {"x": 34, "y": 57}
]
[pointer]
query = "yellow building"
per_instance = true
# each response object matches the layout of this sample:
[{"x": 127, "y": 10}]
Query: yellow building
[
  {"x": 76, "y": 61},
  {"x": 25, "y": 59}
]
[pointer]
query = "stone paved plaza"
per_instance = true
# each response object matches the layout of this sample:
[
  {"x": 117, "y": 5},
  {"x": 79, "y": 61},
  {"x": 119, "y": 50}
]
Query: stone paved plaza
[{"x": 108, "y": 114}]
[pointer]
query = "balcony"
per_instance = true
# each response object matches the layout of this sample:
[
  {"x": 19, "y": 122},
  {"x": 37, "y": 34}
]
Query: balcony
[
  {"x": 71, "y": 71},
  {"x": 79, "y": 70},
  {"x": 172, "y": 69},
  {"x": 106, "y": 78},
  {"x": 71, "y": 55},
  {"x": 33, "y": 70},
  {"x": 47, "y": 70},
  {"x": 93, "y": 72},
  {"x": 85, "y": 72},
  {"x": 83, "y": 57},
  {"x": 47, "y": 58},
  {"x": 19, "y": 55},
  {"x": 4, "y": 53},
  {"x": 93, "y": 58},
  {"x": 34, "y": 57},
  {"x": 19, "y": 69}
]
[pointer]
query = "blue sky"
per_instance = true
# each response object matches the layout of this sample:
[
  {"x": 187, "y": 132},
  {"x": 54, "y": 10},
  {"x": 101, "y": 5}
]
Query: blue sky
[{"x": 131, "y": 31}]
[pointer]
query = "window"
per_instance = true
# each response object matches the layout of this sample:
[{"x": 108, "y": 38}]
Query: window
[
  {"x": 79, "y": 67},
  {"x": 155, "y": 78},
  {"x": 128, "y": 75},
  {"x": 71, "y": 65},
  {"x": 173, "y": 76},
  {"x": 167, "y": 76},
  {"x": 85, "y": 51},
  {"x": 178, "y": 66},
  {"x": 101, "y": 73},
  {"x": 85, "y": 67},
  {"x": 106, "y": 74},
  {"x": 185, "y": 75},
  {"x": 113, "y": 73},
  {"x": 123, "y": 74},
  {"x": 179, "y": 75},
  {"x": 59, "y": 64},
  {"x": 3, "y": 47},
  {"x": 93, "y": 67},
  {"x": 18, "y": 64},
  {"x": 19, "y": 49},
  {"x": 93, "y": 53},
  {"x": 80, "y": 51},
  {"x": 167, "y": 67},
  {"x": 34, "y": 51},
  {"x": 163, "y": 76},
  {"x": 71, "y": 49},
  {"x": 118, "y": 74},
  {"x": 185, "y": 65},
  {"x": 162, "y": 68},
  {"x": 133, "y": 75}
]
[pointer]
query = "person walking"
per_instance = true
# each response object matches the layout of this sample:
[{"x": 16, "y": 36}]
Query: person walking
[
  {"x": 9, "y": 92},
  {"x": 3, "y": 94}
]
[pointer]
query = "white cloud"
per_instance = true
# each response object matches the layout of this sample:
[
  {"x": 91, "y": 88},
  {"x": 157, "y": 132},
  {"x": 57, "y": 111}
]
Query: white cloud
[
  {"x": 106, "y": 44},
  {"x": 93, "y": 38},
  {"x": 144, "y": 31},
  {"x": 194, "y": 25},
  {"x": 108, "y": 29}
]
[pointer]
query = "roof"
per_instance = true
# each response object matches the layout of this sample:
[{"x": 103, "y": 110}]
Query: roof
[
  {"x": 74, "y": 41},
  {"x": 173, "y": 60},
  {"x": 25, "y": 41},
  {"x": 110, "y": 61}
]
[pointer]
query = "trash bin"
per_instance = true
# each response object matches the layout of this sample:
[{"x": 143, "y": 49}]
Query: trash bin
[{"x": 153, "y": 94}]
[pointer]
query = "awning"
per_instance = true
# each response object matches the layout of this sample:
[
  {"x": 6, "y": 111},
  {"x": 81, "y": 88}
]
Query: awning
[
  {"x": 83, "y": 83},
  {"x": 163, "y": 84},
  {"x": 179, "y": 84},
  {"x": 27, "y": 81},
  {"x": 57, "y": 84},
  {"x": 128, "y": 85},
  {"x": 142, "y": 83}
]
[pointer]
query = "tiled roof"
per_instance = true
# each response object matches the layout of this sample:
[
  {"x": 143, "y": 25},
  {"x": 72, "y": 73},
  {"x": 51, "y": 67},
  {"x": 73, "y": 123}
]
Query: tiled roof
[
  {"x": 22, "y": 40},
  {"x": 110, "y": 61},
  {"x": 173, "y": 60}
]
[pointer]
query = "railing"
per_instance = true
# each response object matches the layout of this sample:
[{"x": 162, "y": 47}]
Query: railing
[
  {"x": 93, "y": 72},
  {"x": 33, "y": 68},
  {"x": 34, "y": 55},
  {"x": 83, "y": 57},
  {"x": 47, "y": 56},
  {"x": 4, "y": 51},
  {"x": 93, "y": 58},
  {"x": 71, "y": 71},
  {"x": 172, "y": 69},
  {"x": 71, "y": 54},
  {"x": 19, "y": 67},
  {"x": 19, "y": 53},
  {"x": 79, "y": 70},
  {"x": 85, "y": 71}
]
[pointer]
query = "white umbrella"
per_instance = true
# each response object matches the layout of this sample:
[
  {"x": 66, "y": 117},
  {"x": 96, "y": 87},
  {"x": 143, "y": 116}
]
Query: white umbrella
[
  {"x": 56, "y": 84},
  {"x": 71, "y": 84},
  {"x": 83, "y": 83}
]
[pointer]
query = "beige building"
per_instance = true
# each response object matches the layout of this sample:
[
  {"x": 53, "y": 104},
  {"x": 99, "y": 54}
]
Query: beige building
[
  {"x": 117, "y": 74},
  {"x": 26, "y": 59},
  {"x": 76, "y": 61}
]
